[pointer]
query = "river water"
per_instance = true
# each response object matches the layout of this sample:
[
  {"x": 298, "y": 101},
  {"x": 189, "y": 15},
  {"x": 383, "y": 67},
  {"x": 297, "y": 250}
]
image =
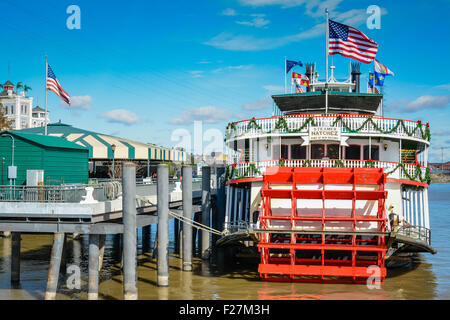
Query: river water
[{"x": 427, "y": 277}]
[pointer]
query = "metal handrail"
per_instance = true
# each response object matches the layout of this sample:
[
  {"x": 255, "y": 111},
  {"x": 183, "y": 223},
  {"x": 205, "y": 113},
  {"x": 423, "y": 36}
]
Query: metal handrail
[{"x": 416, "y": 232}]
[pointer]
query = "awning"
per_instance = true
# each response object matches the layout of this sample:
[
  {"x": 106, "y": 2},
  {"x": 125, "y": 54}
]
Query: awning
[{"x": 338, "y": 102}]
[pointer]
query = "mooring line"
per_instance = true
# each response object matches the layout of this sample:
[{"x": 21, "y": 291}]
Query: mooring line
[{"x": 195, "y": 224}]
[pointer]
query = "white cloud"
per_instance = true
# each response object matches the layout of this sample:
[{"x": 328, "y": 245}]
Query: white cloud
[
  {"x": 444, "y": 86},
  {"x": 427, "y": 102},
  {"x": 229, "y": 12},
  {"x": 239, "y": 42},
  {"x": 196, "y": 73},
  {"x": 120, "y": 116},
  {"x": 207, "y": 114},
  {"x": 258, "y": 21},
  {"x": 240, "y": 67},
  {"x": 259, "y": 104},
  {"x": 273, "y": 88},
  {"x": 79, "y": 102},
  {"x": 441, "y": 133},
  {"x": 313, "y": 7}
]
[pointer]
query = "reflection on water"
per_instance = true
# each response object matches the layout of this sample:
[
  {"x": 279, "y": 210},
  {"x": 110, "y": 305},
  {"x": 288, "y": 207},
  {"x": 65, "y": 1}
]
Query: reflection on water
[{"x": 426, "y": 277}]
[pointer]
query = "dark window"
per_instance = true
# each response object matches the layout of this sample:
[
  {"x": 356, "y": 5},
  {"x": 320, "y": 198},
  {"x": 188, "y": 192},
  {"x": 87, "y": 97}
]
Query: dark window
[
  {"x": 298, "y": 152},
  {"x": 333, "y": 151},
  {"x": 317, "y": 151},
  {"x": 375, "y": 154},
  {"x": 284, "y": 151},
  {"x": 353, "y": 152},
  {"x": 247, "y": 150}
]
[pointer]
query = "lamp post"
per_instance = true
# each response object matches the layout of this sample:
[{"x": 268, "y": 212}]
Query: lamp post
[{"x": 113, "y": 148}]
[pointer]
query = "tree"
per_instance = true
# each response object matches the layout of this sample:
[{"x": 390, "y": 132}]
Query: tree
[
  {"x": 5, "y": 124},
  {"x": 26, "y": 88},
  {"x": 19, "y": 86}
]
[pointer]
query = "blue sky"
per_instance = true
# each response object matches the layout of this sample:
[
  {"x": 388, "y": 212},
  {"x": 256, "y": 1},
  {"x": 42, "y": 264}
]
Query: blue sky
[{"x": 142, "y": 69}]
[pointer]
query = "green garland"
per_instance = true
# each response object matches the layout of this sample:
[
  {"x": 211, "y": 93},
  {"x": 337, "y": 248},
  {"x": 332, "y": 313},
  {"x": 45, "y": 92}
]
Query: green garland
[
  {"x": 307, "y": 163},
  {"x": 417, "y": 174},
  {"x": 426, "y": 135},
  {"x": 234, "y": 172},
  {"x": 282, "y": 124}
]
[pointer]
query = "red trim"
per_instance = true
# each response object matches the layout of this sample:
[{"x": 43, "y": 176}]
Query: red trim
[
  {"x": 415, "y": 183},
  {"x": 244, "y": 180}
]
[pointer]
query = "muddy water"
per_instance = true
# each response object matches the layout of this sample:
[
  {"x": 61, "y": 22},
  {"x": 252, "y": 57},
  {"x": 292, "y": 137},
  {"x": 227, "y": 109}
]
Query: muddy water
[{"x": 426, "y": 277}]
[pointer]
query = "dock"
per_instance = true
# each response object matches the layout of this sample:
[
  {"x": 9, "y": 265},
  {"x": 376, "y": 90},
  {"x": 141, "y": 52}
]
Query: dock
[{"x": 116, "y": 207}]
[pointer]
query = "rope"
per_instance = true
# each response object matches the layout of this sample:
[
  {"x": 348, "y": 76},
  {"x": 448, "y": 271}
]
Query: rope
[
  {"x": 195, "y": 224},
  {"x": 190, "y": 222}
]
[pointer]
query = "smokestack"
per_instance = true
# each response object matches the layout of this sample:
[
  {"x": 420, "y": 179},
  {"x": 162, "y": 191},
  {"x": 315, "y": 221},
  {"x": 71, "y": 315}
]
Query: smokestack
[
  {"x": 355, "y": 75},
  {"x": 309, "y": 73}
]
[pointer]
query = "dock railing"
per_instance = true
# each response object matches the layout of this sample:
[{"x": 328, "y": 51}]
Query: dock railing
[{"x": 103, "y": 191}]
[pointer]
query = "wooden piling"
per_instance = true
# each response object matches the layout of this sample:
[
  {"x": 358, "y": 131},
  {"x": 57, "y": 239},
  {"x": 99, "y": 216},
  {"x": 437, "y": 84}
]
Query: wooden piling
[
  {"x": 187, "y": 214},
  {"x": 102, "y": 243},
  {"x": 94, "y": 251},
  {"x": 220, "y": 205},
  {"x": 206, "y": 210},
  {"x": 129, "y": 231},
  {"x": 55, "y": 264},
  {"x": 15, "y": 257},
  {"x": 163, "y": 225}
]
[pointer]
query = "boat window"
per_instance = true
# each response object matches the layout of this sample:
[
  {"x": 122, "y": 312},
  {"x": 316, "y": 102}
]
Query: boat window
[
  {"x": 333, "y": 151},
  {"x": 298, "y": 151},
  {"x": 375, "y": 153},
  {"x": 353, "y": 152},
  {"x": 317, "y": 151}
]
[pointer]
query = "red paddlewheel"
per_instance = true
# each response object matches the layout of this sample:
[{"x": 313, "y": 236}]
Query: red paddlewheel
[{"x": 322, "y": 256}]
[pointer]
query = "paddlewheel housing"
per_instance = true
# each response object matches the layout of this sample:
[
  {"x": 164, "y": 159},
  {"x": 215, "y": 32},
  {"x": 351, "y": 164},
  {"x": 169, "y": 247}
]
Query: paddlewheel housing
[{"x": 323, "y": 224}]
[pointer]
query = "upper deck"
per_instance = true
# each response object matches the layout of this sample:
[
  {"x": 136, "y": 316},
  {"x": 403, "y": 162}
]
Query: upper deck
[{"x": 348, "y": 125}]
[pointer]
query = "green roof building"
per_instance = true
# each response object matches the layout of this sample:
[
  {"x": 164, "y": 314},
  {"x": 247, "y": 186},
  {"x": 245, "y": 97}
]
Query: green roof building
[{"x": 62, "y": 161}]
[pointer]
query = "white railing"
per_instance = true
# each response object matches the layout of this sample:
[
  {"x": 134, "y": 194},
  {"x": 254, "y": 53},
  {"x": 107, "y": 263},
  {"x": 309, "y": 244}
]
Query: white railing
[
  {"x": 348, "y": 123},
  {"x": 394, "y": 170}
]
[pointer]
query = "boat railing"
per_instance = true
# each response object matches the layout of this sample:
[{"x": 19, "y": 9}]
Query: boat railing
[
  {"x": 416, "y": 232},
  {"x": 394, "y": 170},
  {"x": 349, "y": 124}
]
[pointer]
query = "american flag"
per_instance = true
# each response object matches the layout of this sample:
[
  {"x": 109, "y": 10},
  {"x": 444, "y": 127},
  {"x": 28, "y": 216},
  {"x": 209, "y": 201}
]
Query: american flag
[
  {"x": 373, "y": 90},
  {"x": 350, "y": 42},
  {"x": 298, "y": 89},
  {"x": 53, "y": 85}
]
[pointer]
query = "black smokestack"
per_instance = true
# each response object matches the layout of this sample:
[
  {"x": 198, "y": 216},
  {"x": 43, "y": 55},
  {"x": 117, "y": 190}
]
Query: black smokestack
[
  {"x": 355, "y": 75},
  {"x": 309, "y": 73}
]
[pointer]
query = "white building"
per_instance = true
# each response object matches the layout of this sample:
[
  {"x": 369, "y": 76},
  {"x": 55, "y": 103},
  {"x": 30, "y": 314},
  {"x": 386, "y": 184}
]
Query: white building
[{"x": 19, "y": 108}]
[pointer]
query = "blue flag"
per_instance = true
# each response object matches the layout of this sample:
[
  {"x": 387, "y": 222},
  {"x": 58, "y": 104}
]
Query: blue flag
[
  {"x": 371, "y": 79},
  {"x": 290, "y": 64},
  {"x": 376, "y": 79},
  {"x": 379, "y": 79}
]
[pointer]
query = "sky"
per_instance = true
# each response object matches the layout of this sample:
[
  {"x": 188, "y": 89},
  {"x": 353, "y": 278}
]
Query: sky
[{"x": 145, "y": 70}]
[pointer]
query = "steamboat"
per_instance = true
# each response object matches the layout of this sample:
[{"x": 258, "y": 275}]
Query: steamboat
[{"x": 327, "y": 188}]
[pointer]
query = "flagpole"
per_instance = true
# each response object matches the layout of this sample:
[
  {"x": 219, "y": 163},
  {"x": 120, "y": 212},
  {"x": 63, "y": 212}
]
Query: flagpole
[
  {"x": 285, "y": 71},
  {"x": 327, "y": 52},
  {"x": 46, "y": 74}
]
